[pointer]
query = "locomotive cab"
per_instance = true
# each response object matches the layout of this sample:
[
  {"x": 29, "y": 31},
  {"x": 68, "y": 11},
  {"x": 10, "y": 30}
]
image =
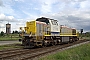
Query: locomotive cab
[
  {"x": 52, "y": 29},
  {"x": 53, "y": 24}
]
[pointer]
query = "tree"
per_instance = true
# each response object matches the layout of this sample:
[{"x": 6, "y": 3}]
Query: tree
[
  {"x": 15, "y": 31},
  {"x": 2, "y": 33},
  {"x": 87, "y": 34}
]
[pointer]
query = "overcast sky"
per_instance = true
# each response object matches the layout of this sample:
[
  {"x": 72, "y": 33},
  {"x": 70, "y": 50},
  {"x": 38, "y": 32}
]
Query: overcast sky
[{"x": 72, "y": 13}]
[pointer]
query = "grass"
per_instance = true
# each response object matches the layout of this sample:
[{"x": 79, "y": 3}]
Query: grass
[
  {"x": 9, "y": 37},
  {"x": 10, "y": 46},
  {"x": 84, "y": 38},
  {"x": 88, "y": 38},
  {"x": 77, "y": 53}
]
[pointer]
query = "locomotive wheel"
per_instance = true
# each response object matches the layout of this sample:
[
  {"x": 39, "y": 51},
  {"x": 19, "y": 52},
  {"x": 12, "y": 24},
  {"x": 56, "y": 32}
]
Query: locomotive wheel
[
  {"x": 70, "y": 40},
  {"x": 43, "y": 43},
  {"x": 54, "y": 44},
  {"x": 29, "y": 44}
]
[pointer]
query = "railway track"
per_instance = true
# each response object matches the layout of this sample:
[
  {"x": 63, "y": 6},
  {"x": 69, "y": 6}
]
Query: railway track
[
  {"x": 27, "y": 54},
  {"x": 50, "y": 50}
]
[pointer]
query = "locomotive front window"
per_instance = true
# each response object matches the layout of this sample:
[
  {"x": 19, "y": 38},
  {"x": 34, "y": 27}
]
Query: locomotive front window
[{"x": 54, "y": 22}]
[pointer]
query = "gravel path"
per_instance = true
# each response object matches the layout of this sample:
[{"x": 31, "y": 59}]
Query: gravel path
[{"x": 8, "y": 42}]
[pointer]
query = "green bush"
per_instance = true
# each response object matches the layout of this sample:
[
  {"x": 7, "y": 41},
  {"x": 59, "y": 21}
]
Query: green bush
[{"x": 2, "y": 33}]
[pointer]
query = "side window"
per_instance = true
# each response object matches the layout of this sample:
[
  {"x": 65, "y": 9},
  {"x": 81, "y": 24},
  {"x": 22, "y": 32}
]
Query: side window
[{"x": 54, "y": 22}]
